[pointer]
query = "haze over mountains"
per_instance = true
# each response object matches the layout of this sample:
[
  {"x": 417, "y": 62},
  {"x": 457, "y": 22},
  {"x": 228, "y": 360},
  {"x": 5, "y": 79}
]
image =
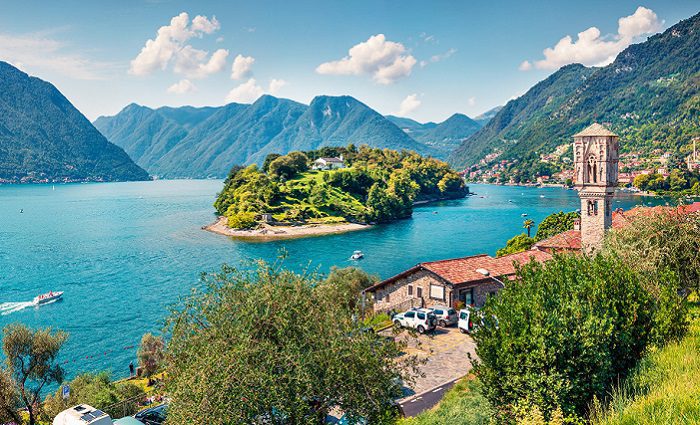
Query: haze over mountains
[
  {"x": 650, "y": 96},
  {"x": 44, "y": 138},
  {"x": 207, "y": 142}
]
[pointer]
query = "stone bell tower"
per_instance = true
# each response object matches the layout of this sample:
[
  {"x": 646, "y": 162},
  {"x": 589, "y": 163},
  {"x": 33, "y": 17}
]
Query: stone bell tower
[{"x": 596, "y": 159}]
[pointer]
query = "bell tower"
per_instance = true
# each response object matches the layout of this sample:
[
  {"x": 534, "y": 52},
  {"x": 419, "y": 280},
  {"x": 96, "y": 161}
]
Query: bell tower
[{"x": 596, "y": 158}]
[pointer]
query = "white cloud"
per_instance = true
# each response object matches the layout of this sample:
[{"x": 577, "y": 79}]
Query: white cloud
[
  {"x": 250, "y": 91},
  {"x": 408, "y": 105},
  {"x": 37, "y": 51},
  {"x": 385, "y": 61},
  {"x": 170, "y": 46},
  {"x": 443, "y": 56},
  {"x": 590, "y": 48},
  {"x": 471, "y": 101},
  {"x": 182, "y": 87},
  {"x": 242, "y": 67}
]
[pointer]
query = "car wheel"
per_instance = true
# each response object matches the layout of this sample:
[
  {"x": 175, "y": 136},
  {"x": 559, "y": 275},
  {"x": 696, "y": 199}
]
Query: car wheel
[
  {"x": 442, "y": 324},
  {"x": 397, "y": 324},
  {"x": 421, "y": 329},
  {"x": 462, "y": 330}
]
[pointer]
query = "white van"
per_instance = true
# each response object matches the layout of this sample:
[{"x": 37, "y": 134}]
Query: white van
[{"x": 465, "y": 324}]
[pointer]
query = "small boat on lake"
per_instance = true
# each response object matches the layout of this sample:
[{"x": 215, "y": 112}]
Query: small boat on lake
[
  {"x": 357, "y": 255},
  {"x": 523, "y": 215},
  {"x": 47, "y": 298}
]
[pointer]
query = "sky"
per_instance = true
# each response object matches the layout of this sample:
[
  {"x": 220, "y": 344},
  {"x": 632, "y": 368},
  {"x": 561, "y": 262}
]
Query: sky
[{"x": 424, "y": 60}]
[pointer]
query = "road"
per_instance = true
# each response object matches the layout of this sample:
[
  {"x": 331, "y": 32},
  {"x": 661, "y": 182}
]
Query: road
[{"x": 422, "y": 402}]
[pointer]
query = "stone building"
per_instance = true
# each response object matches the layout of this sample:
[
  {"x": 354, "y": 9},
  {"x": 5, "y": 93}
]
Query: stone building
[
  {"x": 596, "y": 159},
  {"x": 445, "y": 283}
]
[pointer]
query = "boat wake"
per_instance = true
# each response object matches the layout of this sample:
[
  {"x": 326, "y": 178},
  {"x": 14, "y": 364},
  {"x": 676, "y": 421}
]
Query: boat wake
[{"x": 9, "y": 308}]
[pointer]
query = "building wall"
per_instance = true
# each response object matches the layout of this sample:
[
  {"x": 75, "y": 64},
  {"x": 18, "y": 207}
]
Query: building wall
[
  {"x": 399, "y": 299},
  {"x": 482, "y": 290}
]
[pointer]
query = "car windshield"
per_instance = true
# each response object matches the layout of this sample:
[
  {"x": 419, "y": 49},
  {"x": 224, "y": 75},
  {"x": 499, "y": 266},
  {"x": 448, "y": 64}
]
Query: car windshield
[
  {"x": 463, "y": 316},
  {"x": 451, "y": 312},
  {"x": 438, "y": 312}
]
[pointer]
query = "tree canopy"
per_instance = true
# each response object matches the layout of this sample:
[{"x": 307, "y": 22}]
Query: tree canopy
[{"x": 271, "y": 346}]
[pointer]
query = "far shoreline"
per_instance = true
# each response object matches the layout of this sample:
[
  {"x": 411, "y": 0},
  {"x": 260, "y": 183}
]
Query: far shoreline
[{"x": 268, "y": 233}]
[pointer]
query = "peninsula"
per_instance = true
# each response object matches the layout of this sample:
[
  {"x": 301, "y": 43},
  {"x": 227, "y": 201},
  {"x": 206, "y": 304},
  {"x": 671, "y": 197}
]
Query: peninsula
[{"x": 330, "y": 190}]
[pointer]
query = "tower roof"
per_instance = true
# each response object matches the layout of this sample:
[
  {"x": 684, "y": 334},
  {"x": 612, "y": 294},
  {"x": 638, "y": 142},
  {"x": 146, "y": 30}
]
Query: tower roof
[{"x": 595, "y": 129}]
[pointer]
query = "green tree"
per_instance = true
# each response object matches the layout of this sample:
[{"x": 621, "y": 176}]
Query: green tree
[
  {"x": 278, "y": 349},
  {"x": 562, "y": 333},
  {"x": 519, "y": 243},
  {"x": 9, "y": 399},
  {"x": 30, "y": 364},
  {"x": 556, "y": 223},
  {"x": 115, "y": 398},
  {"x": 268, "y": 160},
  {"x": 346, "y": 285},
  {"x": 527, "y": 224},
  {"x": 151, "y": 353}
]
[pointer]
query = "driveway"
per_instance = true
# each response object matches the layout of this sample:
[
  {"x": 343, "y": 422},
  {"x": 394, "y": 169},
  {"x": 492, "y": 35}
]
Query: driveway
[{"x": 446, "y": 357}]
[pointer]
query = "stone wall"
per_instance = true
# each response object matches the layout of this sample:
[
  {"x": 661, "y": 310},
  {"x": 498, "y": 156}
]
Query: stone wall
[{"x": 398, "y": 292}]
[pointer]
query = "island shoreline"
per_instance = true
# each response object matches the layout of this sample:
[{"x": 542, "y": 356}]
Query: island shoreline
[{"x": 268, "y": 233}]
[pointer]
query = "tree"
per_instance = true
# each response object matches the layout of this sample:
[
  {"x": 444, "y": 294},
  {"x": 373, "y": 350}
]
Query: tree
[
  {"x": 519, "y": 243},
  {"x": 30, "y": 363},
  {"x": 556, "y": 223},
  {"x": 9, "y": 399},
  {"x": 562, "y": 333},
  {"x": 527, "y": 224},
  {"x": 268, "y": 159},
  {"x": 271, "y": 345},
  {"x": 151, "y": 353},
  {"x": 346, "y": 285},
  {"x": 116, "y": 399}
]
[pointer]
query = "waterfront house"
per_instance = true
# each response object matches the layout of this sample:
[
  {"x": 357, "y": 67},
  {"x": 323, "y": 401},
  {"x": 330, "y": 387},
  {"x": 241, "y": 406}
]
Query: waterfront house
[
  {"x": 328, "y": 163},
  {"x": 469, "y": 279}
]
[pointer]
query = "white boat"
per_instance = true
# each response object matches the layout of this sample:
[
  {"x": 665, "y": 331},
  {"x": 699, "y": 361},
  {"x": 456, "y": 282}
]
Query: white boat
[
  {"x": 357, "y": 255},
  {"x": 47, "y": 298},
  {"x": 523, "y": 215}
]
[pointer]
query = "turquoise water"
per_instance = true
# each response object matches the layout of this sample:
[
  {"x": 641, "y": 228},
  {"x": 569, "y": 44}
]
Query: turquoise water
[{"x": 122, "y": 252}]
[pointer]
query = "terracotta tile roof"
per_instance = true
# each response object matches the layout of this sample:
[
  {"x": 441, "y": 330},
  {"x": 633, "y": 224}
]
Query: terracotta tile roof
[
  {"x": 569, "y": 240},
  {"x": 464, "y": 270},
  {"x": 595, "y": 129}
]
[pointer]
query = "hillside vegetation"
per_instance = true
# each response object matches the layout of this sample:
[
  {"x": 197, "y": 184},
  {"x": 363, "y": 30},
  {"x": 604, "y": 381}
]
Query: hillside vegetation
[
  {"x": 376, "y": 186},
  {"x": 650, "y": 96},
  {"x": 43, "y": 137}
]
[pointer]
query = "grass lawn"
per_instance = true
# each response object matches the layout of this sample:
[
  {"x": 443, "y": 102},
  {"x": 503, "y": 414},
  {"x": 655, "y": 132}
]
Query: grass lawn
[{"x": 665, "y": 388}]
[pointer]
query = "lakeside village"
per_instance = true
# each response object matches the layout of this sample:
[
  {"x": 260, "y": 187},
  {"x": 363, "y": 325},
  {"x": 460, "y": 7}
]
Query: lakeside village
[
  {"x": 638, "y": 172},
  {"x": 441, "y": 301}
]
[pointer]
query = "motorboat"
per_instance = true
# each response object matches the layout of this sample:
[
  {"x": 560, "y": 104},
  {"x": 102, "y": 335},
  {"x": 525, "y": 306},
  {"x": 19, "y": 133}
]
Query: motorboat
[
  {"x": 47, "y": 297},
  {"x": 523, "y": 215},
  {"x": 357, "y": 255}
]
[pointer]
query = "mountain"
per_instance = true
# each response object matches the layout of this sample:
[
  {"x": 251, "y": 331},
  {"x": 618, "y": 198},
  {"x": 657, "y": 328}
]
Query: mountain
[
  {"x": 207, "y": 142},
  {"x": 43, "y": 137},
  {"x": 444, "y": 137},
  {"x": 484, "y": 118},
  {"x": 650, "y": 96}
]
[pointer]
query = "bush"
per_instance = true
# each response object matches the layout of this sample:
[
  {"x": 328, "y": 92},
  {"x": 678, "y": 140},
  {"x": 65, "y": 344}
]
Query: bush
[
  {"x": 564, "y": 332},
  {"x": 556, "y": 223},
  {"x": 463, "y": 404},
  {"x": 519, "y": 243},
  {"x": 243, "y": 220}
]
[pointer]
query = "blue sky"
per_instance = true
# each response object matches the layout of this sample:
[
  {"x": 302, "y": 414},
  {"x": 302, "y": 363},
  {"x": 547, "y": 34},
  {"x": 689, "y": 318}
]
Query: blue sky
[{"x": 421, "y": 59}]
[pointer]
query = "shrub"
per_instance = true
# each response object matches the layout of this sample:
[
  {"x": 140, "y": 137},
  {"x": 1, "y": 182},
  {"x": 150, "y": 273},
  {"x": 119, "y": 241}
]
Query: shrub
[
  {"x": 563, "y": 333},
  {"x": 242, "y": 220},
  {"x": 519, "y": 243}
]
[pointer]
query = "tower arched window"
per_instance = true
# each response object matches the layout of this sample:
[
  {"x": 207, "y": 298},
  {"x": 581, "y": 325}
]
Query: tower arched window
[{"x": 592, "y": 170}]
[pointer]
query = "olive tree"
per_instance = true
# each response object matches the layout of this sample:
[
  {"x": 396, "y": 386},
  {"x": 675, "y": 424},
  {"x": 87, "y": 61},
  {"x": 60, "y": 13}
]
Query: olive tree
[
  {"x": 265, "y": 345},
  {"x": 151, "y": 353},
  {"x": 30, "y": 365}
]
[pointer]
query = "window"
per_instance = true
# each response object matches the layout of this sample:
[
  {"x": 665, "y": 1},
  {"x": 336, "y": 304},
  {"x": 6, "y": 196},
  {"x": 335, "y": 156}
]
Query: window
[
  {"x": 463, "y": 315},
  {"x": 451, "y": 311},
  {"x": 419, "y": 292},
  {"x": 410, "y": 315},
  {"x": 378, "y": 296},
  {"x": 592, "y": 208},
  {"x": 467, "y": 296},
  {"x": 421, "y": 316},
  {"x": 410, "y": 290},
  {"x": 438, "y": 312},
  {"x": 437, "y": 292},
  {"x": 387, "y": 298}
]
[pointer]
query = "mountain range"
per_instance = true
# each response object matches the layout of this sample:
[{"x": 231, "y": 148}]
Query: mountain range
[
  {"x": 43, "y": 137},
  {"x": 207, "y": 142},
  {"x": 649, "y": 95}
]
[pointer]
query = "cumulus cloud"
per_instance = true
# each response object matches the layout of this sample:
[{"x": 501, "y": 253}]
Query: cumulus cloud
[
  {"x": 169, "y": 46},
  {"x": 38, "y": 51},
  {"x": 408, "y": 105},
  {"x": 182, "y": 87},
  {"x": 592, "y": 48},
  {"x": 385, "y": 61},
  {"x": 242, "y": 67},
  {"x": 250, "y": 91}
]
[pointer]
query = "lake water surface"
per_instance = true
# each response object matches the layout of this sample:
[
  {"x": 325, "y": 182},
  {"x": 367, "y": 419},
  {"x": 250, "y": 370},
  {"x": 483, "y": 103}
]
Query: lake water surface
[{"x": 123, "y": 252}]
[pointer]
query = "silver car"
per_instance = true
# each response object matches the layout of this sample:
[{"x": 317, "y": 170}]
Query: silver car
[{"x": 446, "y": 316}]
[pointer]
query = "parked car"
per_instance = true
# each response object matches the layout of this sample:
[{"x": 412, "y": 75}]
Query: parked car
[
  {"x": 154, "y": 415},
  {"x": 422, "y": 320},
  {"x": 465, "y": 324},
  {"x": 445, "y": 316}
]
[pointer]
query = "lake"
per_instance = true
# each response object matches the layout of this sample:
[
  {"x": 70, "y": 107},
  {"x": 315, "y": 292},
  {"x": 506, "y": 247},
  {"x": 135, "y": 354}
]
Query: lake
[{"x": 123, "y": 252}]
